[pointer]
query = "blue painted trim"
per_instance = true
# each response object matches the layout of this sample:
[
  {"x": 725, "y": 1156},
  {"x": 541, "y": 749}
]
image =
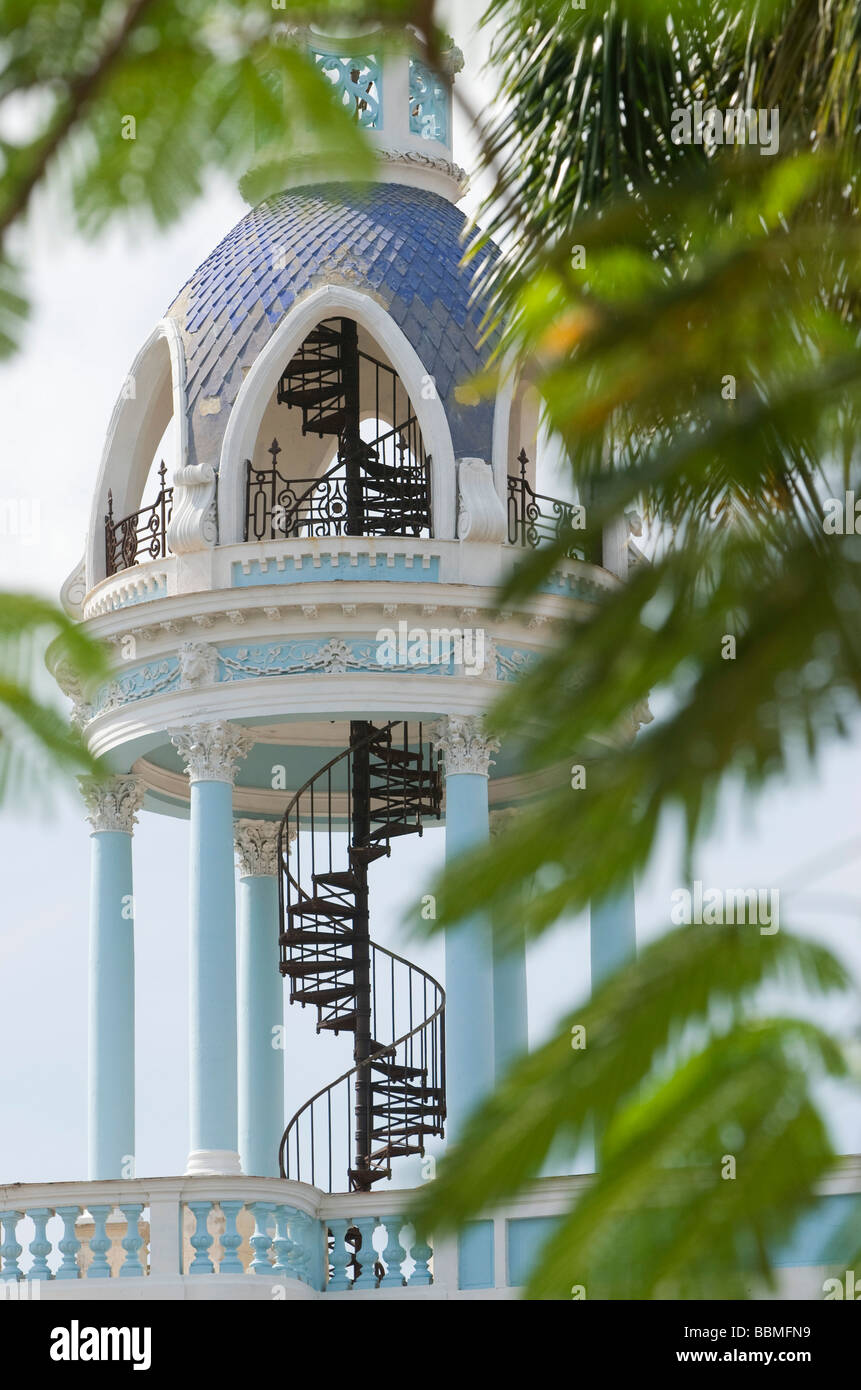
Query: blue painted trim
[
  {"x": 320, "y": 655},
  {"x": 475, "y": 1256},
  {"x": 612, "y": 933},
  {"x": 573, "y": 586},
  {"x": 342, "y": 567},
  {"x": 525, "y": 1237}
]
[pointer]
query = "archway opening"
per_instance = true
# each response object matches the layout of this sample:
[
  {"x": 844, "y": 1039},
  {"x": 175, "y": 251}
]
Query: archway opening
[
  {"x": 138, "y": 503},
  {"x": 345, "y": 450}
]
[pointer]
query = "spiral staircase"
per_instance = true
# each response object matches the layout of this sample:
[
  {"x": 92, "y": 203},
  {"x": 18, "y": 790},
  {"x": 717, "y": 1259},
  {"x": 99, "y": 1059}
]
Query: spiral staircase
[
  {"x": 383, "y": 786},
  {"x": 386, "y": 479}
]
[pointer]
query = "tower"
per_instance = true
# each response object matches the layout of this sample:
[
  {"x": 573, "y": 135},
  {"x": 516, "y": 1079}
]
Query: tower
[{"x": 301, "y": 519}]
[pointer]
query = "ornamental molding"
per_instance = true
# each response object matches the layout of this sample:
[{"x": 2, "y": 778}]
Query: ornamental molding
[
  {"x": 452, "y": 60},
  {"x": 70, "y": 684},
  {"x": 192, "y": 525},
  {"x": 74, "y": 590},
  {"x": 112, "y": 803},
  {"x": 428, "y": 161},
  {"x": 464, "y": 744},
  {"x": 212, "y": 751},
  {"x": 255, "y": 803},
  {"x": 480, "y": 515},
  {"x": 257, "y": 847},
  {"x": 198, "y": 665},
  {"x": 209, "y": 666}
]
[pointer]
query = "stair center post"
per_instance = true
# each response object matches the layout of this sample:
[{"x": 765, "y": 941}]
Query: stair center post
[
  {"x": 351, "y": 439},
  {"x": 360, "y": 731}
]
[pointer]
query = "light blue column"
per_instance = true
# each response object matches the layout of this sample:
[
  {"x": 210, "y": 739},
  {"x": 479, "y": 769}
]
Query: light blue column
[
  {"x": 470, "y": 1065},
  {"x": 510, "y": 1010},
  {"x": 260, "y": 1000},
  {"x": 112, "y": 806},
  {"x": 510, "y": 1006},
  {"x": 612, "y": 933},
  {"x": 211, "y": 752},
  {"x": 612, "y": 942}
]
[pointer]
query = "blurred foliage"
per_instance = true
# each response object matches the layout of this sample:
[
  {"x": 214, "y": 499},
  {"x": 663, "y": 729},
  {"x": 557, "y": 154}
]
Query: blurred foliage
[
  {"x": 675, "y": 1077},
  {"x": 701, "y": 267},
  {"x": 123, "y": 110},
  {"x": 35, "y": 738},
  {"x": 689, "y": 315},
  {"x": 126, "y": 109}
]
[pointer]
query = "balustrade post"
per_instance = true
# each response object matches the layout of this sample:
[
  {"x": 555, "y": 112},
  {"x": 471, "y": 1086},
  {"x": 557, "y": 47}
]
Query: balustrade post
[
  {"x": 366, "y": 1277},
  {"x": 231, "y": 1240},
  {"x": 261, "y": 1241},
  {"x": 302, "y": 1257},
  {"x": 40, "y": 1246},
  {"x": 200, "y": 1238},
  {"x": 393, "y": 1255},
  {"x": 100, "y": 1243},
  {"x": 69, "y": 1245},
  {"x": 422, "y": 1254},
  {"x": 339, "y": 1257},
  {"x": 10, "y": 1249},
  {"x": 282, "y": 1244},
  {"x": 132, "y": 1266}
]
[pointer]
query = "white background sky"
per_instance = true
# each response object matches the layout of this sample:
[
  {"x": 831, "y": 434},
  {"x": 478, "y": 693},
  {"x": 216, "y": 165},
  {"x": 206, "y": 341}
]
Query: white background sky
[{"x": 95, "y": 304}]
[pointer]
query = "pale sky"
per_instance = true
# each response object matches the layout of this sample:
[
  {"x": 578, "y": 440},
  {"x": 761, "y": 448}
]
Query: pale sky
[{"x": 94, "y": 305}]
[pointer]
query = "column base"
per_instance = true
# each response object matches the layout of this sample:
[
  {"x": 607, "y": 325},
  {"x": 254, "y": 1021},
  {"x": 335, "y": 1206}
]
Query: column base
[{"x": 213, "y": 1163}]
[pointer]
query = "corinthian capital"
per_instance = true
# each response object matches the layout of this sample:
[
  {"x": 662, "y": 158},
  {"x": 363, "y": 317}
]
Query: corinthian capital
[
  {"x": 464, "y": 744},
  {"x": 113, "y": 802},
  {"x": 257, "y": 846},
  {"x": 211, "y": 752}
]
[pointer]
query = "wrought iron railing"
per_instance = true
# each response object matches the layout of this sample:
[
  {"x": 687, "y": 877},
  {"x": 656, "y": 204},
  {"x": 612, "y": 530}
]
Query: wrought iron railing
[
  {"x": 140, "y": 536},
  {"x": 395, "y": 498},
  {"x": 533, "y": 517}
]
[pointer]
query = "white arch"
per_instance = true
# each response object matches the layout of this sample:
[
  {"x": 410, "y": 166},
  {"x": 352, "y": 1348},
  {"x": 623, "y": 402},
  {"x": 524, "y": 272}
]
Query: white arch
[
  {"x": 257, "y": 389},
  {"x": 500, "y": 446},
  {"x": 137, "y": 424}
]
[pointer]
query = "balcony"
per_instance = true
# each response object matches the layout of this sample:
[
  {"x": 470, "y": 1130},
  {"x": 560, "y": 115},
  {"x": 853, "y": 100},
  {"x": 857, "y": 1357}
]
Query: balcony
[
  {"x": 228, "y": 1238},
  {"x": 236, "y": 1238},
  {"x": 140, "y": 536},
  {"x": 535, "y": 519}
]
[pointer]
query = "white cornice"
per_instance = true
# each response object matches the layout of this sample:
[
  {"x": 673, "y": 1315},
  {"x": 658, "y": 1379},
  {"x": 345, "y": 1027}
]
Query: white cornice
[{"x": 263, "y": 801}]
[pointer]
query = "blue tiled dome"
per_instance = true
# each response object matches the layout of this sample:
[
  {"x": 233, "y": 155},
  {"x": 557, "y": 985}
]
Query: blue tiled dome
[{"x": 402, "y": 244}]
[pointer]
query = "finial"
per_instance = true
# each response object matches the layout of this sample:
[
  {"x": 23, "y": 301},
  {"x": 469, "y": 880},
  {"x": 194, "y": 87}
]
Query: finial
[{"x": 523, "y": 461}]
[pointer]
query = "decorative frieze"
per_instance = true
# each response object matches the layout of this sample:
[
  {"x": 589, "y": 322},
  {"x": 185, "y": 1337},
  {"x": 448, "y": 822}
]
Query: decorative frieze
[
  {"x": 212, "y": 751},
  {"x": 257, "y": 847},
  {"x": 198, "y": 665},
  {"x": 113, "y": 802},
  {"x": 464, "y": 744}
]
